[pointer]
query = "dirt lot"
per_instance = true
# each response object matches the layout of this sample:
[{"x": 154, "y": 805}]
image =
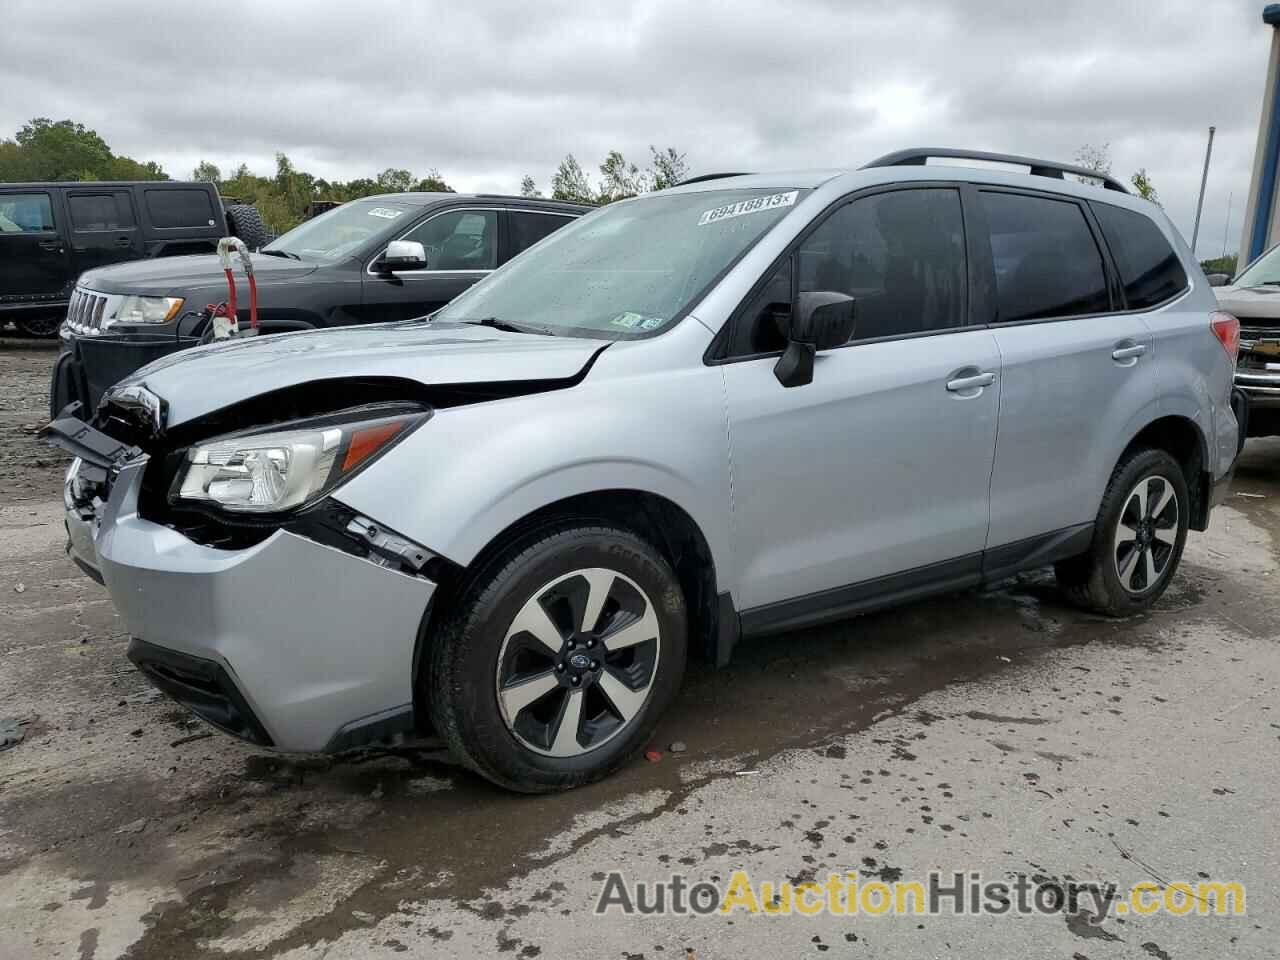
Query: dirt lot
[{"x": 996, "y": 731}]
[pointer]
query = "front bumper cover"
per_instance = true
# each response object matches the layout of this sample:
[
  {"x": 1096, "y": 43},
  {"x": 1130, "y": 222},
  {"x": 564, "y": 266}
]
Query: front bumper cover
[{"x": 288, "y": 643}]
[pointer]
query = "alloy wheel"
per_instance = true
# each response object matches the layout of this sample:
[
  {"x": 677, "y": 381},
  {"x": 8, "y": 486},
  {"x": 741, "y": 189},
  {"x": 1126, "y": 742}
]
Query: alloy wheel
[
  {"x": 1146, "y": 534},
  {"x": 578, "y": 662}
]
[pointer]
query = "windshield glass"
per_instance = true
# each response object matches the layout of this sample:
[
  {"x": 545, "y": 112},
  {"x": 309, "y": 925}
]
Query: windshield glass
[
  {"x": 340, "y": 232},
  {"x": 626, "y": 271},
  {"x": 1265, "y": 270}
]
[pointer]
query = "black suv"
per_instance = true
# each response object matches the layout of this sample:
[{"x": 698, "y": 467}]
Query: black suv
[
  {"x": 388, "y": 257},
  {"x": 50, "y": 233}
]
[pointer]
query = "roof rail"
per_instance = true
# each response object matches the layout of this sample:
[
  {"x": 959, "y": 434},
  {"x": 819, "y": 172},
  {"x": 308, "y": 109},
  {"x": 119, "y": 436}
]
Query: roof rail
[
  {"x": 918, "y": 156},
  {"x": 710, "y": 176}
]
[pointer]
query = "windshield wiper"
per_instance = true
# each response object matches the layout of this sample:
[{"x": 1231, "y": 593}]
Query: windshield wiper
[
  {"x": 281, "y": 253},
  {"x": 509, "y": 327}
]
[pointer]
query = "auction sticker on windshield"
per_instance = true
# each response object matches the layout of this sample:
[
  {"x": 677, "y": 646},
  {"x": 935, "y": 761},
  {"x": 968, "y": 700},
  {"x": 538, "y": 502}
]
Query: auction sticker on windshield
[
  {"x": 384, "y": 213},
  {"x": 743, "y": 207}
]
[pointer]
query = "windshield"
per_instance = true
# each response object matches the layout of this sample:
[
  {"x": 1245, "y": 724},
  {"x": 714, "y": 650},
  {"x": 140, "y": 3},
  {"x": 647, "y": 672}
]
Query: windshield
[
  {"x": 340, "y": 232},
  {"x": 627, "y": 271},
  {"x": 1265, "y": 270}
]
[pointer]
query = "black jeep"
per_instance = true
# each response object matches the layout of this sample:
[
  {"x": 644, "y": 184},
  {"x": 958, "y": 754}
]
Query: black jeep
[
  {"x": 50, "y": 233},
  {"x": 389, "y": 257}
]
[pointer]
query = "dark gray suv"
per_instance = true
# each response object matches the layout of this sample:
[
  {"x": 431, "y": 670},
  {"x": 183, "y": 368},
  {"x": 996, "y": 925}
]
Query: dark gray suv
[{"x": 329, "y": 271}]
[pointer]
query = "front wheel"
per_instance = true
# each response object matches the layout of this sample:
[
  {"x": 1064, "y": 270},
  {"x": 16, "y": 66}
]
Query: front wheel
[
  {"x": 42, "y": 325},
  {"x": 1138, "y": 537},
  {"x": 555, "y": 663}
]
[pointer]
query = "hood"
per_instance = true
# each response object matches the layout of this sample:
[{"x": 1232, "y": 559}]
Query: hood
[
  {"x": 1248, "y": 303},
  {"x": 169, "y": 276},
  {"x": 197, "y": 382}
]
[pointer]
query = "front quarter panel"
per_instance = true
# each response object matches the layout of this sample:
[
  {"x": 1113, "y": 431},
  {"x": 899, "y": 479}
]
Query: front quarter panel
[{"x": 649, "y": 416}]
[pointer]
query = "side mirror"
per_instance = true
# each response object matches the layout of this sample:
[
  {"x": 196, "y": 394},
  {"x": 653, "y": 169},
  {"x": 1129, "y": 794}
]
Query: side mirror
[
  {"x": 821, "y": 320},
  {"x": 403, "y": 255},
  {"x": 1219, "y": 279}
]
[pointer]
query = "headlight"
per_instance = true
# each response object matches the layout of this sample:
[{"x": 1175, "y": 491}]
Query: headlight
[
  {"x": 286, "y": 468},
  {"x": 147, "y": 309}
]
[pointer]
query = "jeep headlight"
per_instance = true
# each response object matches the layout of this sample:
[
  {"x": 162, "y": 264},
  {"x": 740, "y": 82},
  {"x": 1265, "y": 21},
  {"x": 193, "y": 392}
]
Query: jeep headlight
[
  {"x": 286, "y": 468},
  {"x": 135, "y": 309}
]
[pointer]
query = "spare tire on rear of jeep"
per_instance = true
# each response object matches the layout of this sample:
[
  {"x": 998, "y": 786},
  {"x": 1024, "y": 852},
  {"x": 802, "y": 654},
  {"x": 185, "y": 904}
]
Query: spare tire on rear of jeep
[{"x": 244, "y": 221}]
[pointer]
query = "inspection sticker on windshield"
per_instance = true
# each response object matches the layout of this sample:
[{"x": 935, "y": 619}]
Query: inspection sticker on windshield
[
  {"x": 743, "y": 207},
  {"x": 385, "y": 213}
]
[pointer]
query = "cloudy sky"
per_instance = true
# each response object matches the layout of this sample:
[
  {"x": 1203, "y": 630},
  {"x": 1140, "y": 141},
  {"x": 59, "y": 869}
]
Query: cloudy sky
[{"x": 488, "y": 91}]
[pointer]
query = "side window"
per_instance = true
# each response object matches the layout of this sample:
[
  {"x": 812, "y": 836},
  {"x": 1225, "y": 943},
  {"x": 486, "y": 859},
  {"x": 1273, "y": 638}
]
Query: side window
[
  {"x": 26, "y": 213},
  {"x": 459, "y": 240},
  {"x": 179, "y": 208},
  {"x": 100, "y": 211},
  {"x": 1046, "y": 261},
  {"x": 900, "y": 255},
  {"x": 528, "y": 228},
  {"x": 1149, "y": 269}
]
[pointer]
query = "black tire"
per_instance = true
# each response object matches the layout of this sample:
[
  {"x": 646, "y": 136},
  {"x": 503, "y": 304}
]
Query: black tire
[
  {"x": 244, "y": 221},
  {"x": 43, "y": 326},
  {"x": 469, "y": 651},
  {"x": 1093, "y": 580}
]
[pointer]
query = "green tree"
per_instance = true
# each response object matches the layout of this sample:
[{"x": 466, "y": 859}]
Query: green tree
[
  {"x": 619, "y": 179},
  {"x": 393, "y": 180},
  {"x": 433, "y": 183},
  {"x": 64, "y": 150},
  {"x": 570, "y": 183},
  {"x": 529, "y": 187},
  {"x": 666, "y": 168},
  {"x": 1143, "y": 186},
  {"x": 206, "y": 172}
]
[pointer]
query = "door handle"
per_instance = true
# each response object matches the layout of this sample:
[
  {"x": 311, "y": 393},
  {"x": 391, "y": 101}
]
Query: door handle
[
  {"x": 53, "y": 245},
  {"x": 960, "y": 384},
  {"x": 1129, "y": 352},
  {"x": 123, "y": 242}
]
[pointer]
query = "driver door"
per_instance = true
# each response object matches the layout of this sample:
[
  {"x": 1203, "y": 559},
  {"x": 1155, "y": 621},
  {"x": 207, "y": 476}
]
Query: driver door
[
  {"x": 461, "y": 247},
  {"x": 873, "y": 479}
]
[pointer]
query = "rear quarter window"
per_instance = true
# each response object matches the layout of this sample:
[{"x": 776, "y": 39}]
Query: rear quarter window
[
  {"x": 1149, "y": 269},
  {"x": 179, "y": 208}
]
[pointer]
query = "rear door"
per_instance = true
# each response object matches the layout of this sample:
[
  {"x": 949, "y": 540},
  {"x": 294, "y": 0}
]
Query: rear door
[
  {"x": 33, "y": 257},
  {"x": 104, "y": 228},
  {"x": 1074, "y": 368},
  {"x": 461, "y": 246}
]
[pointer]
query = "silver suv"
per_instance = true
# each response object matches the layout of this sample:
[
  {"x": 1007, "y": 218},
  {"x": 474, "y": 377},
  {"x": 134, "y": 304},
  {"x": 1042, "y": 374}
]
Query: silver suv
[{"x": 740, "y": 406}]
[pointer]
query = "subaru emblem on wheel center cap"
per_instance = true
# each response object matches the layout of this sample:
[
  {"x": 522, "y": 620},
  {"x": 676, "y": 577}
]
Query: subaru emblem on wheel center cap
[{"x": 579, "y": 661}]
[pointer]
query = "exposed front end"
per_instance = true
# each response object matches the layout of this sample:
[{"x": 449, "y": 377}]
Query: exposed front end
[{"x": 296, "y": 634}]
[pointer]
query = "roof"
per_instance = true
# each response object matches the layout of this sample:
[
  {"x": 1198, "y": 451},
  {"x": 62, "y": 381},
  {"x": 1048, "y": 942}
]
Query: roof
[
  {"x": 48, "y": 184},
  {"x": 424, "y": 199}
]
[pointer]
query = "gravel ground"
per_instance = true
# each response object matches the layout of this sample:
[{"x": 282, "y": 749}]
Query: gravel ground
[{"x": 997, "y": 731}]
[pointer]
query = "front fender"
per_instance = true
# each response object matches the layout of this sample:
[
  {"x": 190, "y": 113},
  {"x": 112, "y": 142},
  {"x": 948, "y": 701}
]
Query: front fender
[{"x": 472, "y": 471}]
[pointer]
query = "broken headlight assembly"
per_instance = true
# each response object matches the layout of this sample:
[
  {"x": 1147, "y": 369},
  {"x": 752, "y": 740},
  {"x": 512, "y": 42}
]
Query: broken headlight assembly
[{"x": 290, "y": 465}]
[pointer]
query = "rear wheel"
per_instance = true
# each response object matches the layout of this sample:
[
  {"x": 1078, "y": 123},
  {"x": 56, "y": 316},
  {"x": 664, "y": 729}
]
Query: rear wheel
[
  {"x": 558, "y": 659},
  {"x": 1138, "y": 537}
]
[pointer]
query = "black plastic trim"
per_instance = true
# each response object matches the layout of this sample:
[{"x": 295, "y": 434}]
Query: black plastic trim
[
  {"x": 202, "y": 686},
  {"x": 376, "y": 728},
  {"x": 1032, "y": 552},
  {"x": 867, "y": 595},
  {"x": 728, "y": 630}
]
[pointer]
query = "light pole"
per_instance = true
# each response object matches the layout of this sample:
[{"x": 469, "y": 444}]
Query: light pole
[{"x": 1204, "y": 178}]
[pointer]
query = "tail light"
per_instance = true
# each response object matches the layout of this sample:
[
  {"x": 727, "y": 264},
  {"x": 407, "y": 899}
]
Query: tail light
[{"x": 1227, "y": 329}]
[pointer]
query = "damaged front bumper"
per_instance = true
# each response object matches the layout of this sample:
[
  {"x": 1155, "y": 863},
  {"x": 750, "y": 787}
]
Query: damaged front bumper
[{"x": 288, "y": 643}]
